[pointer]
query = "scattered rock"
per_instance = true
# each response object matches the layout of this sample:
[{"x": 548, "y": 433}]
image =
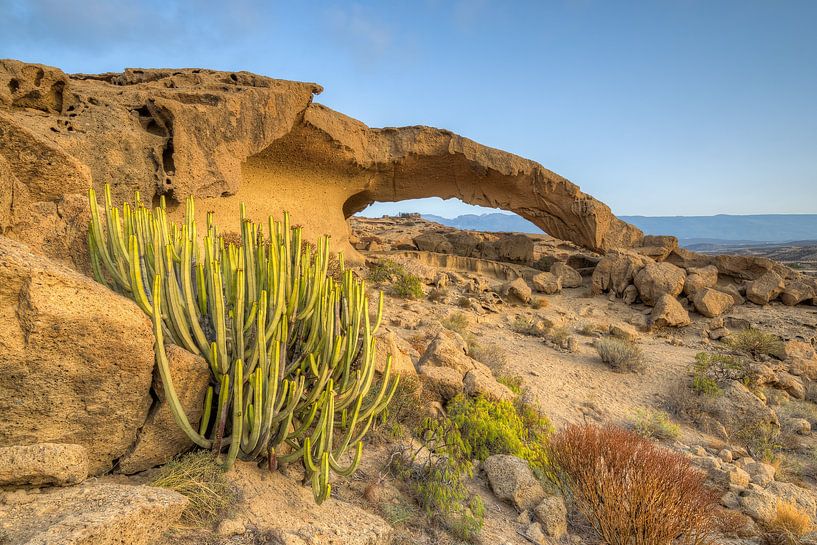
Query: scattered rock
[
  {"x": 630, "y": 295},
  {"x": 518, "y": 289},
  {"x": 511, "y": 479},
  {"x": 569, "y": 277},
  {"x": 657, "y": 279},
  {"x": 552, "y": 515},
  {"x": 389, "y": 344},
  {"x": 447, "y": 349},
  {"x": 801, "y": 497},
  {"x": 668, "y": 312},
  {"x": 535, "y": 534},
  {"x": 699, "y": 278},
  {"x": 231, "y": 527},
  {"x": 547, "y": 283},
  {"x": 43, "y": 463},
  {"x": 711, "y": 302},
  {"x": 444, "y": 381},
  {"x": 624, "y": 331},
  {"x": 790, "y": 384},
  {"x": 796, "y": 292},
  {"x": 95, "y": 514},
  {"x": 758, "y": 504},
  {"x": 480, "y": 381},
  {"x": 765, "y": 288},
  {"x": 760, "y": 473},
  {"x": 616, "y": 270}
]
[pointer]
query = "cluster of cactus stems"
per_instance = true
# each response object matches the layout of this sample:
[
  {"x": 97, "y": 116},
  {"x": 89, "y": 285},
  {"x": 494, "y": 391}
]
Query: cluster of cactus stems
[{"x": 290, "y": 349}]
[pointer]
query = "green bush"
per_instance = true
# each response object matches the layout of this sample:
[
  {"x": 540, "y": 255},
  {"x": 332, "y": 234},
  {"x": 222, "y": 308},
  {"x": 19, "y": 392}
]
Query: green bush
[
  {"x": 386, "y": 271},
  {"x": 436, "y": 475},
  {"x": 490, "y": 427},
  {"x": 408, "y": 286},
  {"x": 756, "y": 342},
  {"x": 513, "y": 382},
  {"x": 621, "y": 355},
  {"x": 655, "y": 425},
  {"x": 712, "y": 371}
]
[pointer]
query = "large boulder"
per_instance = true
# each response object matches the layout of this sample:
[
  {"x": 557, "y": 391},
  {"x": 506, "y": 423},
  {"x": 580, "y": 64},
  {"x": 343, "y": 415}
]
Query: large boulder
[
  {"x": 161, "y": 438},
  {"x": 511, "y": 479},
  {"x": 43, "y": 464},
  {"x": 77, "y": 359},
  {"x": 765, "y": 288},
  {"x": 668, "y": 312},
  {"x": 657, "y": 279},
  {"x": 711, "y": 302},
  {"x": 741, "y": 413},
  {"x": 518, "y": 290},
  {"x": 699, "y": 278},
  {"x": 447, "y": 349},
  {"x": 389, "y": 344},
  {"x": 480, "y": 381},
  {"x": 796, "y": 292},
  {"x": 547, "y": 283},
  {"x": 93, "y": 514},
  {"x": 569, "y": 276},
  {"x": 616, "y": 270}
]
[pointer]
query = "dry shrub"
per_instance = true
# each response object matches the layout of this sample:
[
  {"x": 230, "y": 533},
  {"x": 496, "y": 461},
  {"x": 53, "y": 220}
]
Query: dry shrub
[
  {"x": 200, "y": 478},
  {"x": 632, "y": 491},
  {"x": 655, "y": 425},
  {"x": 756, "y": 342},
  {"x": 788, "y": 526},
  {"x": 458, "y": 322},
  {"x": 622, "y": 356}
]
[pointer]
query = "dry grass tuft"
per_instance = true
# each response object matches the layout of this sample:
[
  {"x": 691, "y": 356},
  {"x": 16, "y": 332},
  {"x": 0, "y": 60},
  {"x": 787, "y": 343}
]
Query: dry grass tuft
[
  {"x": 789, "y": 525},
  {"x": 756, "y": 342},
  {"x": 622, "y": 356},
  {"x": 632, "y": 491},
  {"x": 200, "y": 478},
  {"x": 655, "y": 425},
  {"x": 458, "y": 322}
]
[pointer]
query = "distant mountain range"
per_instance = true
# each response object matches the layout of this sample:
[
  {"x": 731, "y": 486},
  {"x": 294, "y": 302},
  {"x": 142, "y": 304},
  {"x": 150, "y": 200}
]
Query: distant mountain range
[{"x": 690, "y": 230}]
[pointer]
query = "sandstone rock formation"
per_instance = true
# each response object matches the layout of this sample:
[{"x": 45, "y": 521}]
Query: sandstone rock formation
[
  {"x": 155, "y": 131},
  {"x": 77, "y": 359}
]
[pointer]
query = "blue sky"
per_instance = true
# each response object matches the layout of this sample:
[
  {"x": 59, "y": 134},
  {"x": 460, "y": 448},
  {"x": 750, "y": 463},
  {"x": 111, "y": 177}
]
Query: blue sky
[{"x": 685, "y": 107}]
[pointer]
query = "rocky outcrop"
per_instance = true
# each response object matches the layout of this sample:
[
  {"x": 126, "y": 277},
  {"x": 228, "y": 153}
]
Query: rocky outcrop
[
  {"x": 77, "y": 359},
  {"x": 92, "y": 514},
  {"x": 152, "y": 131},
  {"x": 43, "y": 464}
]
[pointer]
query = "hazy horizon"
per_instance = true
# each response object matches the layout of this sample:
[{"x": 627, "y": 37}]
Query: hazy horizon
[{"x": 654, "y": 108}]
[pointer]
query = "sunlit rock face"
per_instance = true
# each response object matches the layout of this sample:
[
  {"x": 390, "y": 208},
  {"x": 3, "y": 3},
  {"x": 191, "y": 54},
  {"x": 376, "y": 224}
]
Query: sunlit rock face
[{"x": 228, "y": 137}]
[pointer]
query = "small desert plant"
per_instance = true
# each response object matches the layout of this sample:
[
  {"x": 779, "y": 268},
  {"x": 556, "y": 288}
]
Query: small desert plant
[
  {"x": 491, "y": 355},
  {"x": 539, "y": 303},
  {"x": 655, "y": 425},
  {"x": 385, "y": 271},
  {"x": 756, "y": 342},
  {"x": 513, "y": 382},
  {"x": 622, "y": 356},
  {"x": 721, "y": 369},
  {"x": 398, "y": 513},
  {"x": 527, "y": 326},
  {"x": 561, "y": 338},
  {"x": 408, "y": 286},
  {"x": 457, "y": 322},
  {"x": 788, "y": 526},
  {"x": 490, "y": 427},
  {"x": 436, "y": 473},
  {"x": 631, "y": 490},
  {"x": 591, "y": 329},
  {"x": 761, "y": 438},
  {"x": 200, "y": 478},
  {"x": 464, "y": 302},
  {"x": 405, "y": 411}
]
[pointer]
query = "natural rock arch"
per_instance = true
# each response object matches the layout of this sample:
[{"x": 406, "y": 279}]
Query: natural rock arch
[{"x": 229, "y": 137}]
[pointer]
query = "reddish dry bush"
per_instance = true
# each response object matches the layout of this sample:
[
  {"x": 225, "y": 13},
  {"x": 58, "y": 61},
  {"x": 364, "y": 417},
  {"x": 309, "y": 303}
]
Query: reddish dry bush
[{"x": 632, "y": 491}]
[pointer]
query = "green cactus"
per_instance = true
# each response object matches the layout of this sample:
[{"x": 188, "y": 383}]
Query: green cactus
[{"x": 290, "y": 350}]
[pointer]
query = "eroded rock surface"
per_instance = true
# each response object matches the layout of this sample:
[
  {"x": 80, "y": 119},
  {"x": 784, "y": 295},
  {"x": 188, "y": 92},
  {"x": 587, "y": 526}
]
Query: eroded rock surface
[{"x": 153, "y": 131}]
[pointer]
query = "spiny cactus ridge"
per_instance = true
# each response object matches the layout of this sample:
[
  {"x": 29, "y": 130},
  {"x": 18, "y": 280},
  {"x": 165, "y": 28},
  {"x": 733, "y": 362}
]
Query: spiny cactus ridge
[{"x": 290, "y": 349}]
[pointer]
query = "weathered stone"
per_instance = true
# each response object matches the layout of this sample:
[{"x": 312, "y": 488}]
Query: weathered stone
[
  {"x": 94, "y": 514},
  {"x": 740, "y": 411},
  {"x": 161, "y": 438},
  {"x": 630, "y": 295},
  {"x": 624, "y": 331},
  {"x": 547, "y": 283},
  {"x": 795, "y": 292},
  {"x": 569, "y": 276},
  {"x": 616, "y": 270},
  {"x": 732, "y": 291},
  {"x": 657, "y": 279},
  {"x": 389, "y": 344},
  {"x": 790, "y": 384},
  {"x": 668, "y": 312},
  {"x": 443, "y": 381},
  {"x": 77, "y": 359},
  {"x": 518, "y": 289},
  {"x": 552, "y": 514},
  {"x": 759, "y": 504},
  {"x": 480, "y": 381},
  {"x": 711, "y": 302},
  {"x": 511, "y": 479},
  {"x": 760, "y": 473},
  {"x": 801, "y": 497},
  {"x": 765, "y": 288},
  {"x": 151, "y": 130},
  {"x": 447, "y": 349},
  {"x": 43, "y": 464}
]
